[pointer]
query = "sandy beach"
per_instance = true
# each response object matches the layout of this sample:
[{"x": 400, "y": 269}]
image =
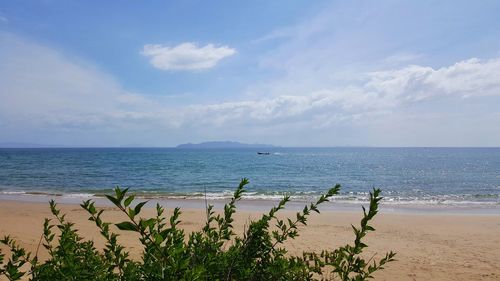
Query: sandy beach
[{"x": 430, "y": 246}]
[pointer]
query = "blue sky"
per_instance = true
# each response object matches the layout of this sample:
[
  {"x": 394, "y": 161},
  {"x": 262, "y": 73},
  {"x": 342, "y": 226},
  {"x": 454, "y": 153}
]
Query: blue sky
[{"x": 293, "y": 73}]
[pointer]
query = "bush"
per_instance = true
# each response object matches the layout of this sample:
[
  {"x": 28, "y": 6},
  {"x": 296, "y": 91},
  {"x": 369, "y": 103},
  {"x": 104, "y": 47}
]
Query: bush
[{"x": 213, "y": 253}]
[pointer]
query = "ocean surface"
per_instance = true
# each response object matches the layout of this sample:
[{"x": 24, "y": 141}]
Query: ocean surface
[{"x": 428, "y": 176}]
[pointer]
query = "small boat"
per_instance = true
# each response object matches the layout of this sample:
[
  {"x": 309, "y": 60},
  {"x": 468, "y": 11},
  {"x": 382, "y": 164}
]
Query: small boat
[{"x": 263, "y": 153}]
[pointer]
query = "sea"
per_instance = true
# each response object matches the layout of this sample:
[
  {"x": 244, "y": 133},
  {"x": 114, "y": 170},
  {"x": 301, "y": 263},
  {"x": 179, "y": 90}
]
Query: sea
[{"x": 407, "y": 176}]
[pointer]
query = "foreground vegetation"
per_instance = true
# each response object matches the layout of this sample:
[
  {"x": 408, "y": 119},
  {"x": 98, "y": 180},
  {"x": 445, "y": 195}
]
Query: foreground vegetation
[{"x": 213, "y": 253}]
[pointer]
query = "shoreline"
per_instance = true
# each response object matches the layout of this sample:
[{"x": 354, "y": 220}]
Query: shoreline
[
  {"x": 265, "y": 204},
  {"x": 429, "y": 246}
]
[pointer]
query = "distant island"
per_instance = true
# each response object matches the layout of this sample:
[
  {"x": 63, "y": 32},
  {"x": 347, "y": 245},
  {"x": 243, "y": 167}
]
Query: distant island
[{"x": 223, "y": 144}]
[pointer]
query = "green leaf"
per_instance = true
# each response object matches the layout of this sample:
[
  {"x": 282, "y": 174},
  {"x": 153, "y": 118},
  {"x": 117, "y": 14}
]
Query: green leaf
[
  {"x": 147, "y": 223},
  {"x": 369, "y": 228},
  {"x": 129, "y": 200},
  {"x": 165, "y": 233},
  {"x": 92, "y": 209},
  {"x": 138, "y": 207},
  {"x": 114, "y": 200},
  {"x": 126, "y": 225},
  {"x": 120, "y": 193},
  {"x": 131, "y": 213},
  {"x": 158, "y": 238}
]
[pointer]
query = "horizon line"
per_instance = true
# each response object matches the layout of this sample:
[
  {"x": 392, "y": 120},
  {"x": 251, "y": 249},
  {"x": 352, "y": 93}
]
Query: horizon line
[{"x": 198, "y": 148}]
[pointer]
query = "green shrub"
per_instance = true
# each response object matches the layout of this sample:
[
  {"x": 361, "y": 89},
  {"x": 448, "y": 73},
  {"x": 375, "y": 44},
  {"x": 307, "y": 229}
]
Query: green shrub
[{"x": 213, "y": 253}]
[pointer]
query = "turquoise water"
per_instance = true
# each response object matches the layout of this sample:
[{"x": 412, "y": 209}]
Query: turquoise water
[{"x": 406, "y": 175}]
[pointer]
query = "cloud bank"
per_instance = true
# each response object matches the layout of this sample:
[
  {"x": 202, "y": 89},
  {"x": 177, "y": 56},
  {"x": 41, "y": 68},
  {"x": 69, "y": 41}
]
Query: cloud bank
[
  {"x": 55, "y": 98},
  {"x": 381, "y": 92},
  {"x": 186, "y": 56}
]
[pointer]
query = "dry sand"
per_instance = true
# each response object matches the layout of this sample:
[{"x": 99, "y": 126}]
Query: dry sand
[{"x": 429, "y": 246}]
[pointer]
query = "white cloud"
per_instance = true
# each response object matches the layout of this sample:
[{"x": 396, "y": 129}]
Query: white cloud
[
  {"x": 472, "y": 77},
  {"x": 186, "y": 56},
  {"x": 382, "y": 92}
]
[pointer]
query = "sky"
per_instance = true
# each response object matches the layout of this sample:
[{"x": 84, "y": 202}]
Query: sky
[{"x": 289, "y": 73}]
